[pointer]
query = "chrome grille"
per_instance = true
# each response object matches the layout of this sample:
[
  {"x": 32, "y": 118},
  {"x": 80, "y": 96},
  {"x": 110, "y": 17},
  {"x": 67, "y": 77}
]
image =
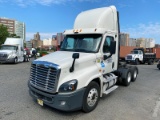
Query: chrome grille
[
  {"x": 3, "y": 56},
  {"x": 44, "y": 76},
  {"x": 129, "y": 57}
]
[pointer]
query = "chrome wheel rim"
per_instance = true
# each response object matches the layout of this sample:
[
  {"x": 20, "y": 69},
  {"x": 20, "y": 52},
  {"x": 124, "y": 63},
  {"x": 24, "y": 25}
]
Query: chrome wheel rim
[
  {"x": 92, "y": 97},
  {"x": 129, "y": 77},
  {"x": 135, "y": 74}
]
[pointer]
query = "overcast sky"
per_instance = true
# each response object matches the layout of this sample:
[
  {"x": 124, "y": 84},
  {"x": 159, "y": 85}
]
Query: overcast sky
[{"x": 139, "y": 18}]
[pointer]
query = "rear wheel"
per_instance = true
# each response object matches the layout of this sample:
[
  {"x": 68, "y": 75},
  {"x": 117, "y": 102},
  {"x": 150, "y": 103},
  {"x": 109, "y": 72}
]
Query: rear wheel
[
  {"x": 126, "y": 77},
  {"x": 134, "y": 74},
  {"x": 150, "y": 62},
  {"x": 91, "y": 97}
]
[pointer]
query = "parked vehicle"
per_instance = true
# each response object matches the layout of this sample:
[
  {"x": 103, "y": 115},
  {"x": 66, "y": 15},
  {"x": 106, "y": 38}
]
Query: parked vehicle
[
  {"x": 85, "y": 68},
  {"x": 12, "y": 51},
  {"x": 138, "y": 55}
]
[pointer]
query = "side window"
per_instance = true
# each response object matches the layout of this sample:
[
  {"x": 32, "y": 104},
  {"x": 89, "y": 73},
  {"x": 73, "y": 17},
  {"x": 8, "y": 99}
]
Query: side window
[{"x": 107, "y": 44}]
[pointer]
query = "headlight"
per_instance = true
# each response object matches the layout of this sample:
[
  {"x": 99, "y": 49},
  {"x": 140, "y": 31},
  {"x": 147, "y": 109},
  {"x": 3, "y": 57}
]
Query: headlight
[{"x": 68, "y": 86}]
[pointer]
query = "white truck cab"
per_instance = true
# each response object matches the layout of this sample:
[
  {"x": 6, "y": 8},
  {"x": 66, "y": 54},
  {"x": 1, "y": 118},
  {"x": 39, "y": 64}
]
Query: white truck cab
[
  {"x": 86, "y": 67},
  {"x": 12, "y": 51}
]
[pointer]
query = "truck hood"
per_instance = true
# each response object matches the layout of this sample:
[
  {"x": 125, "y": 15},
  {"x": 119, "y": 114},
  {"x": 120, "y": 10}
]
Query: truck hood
[
  {"x": 130, "y": 54},
  {"x": 7, "y": 51},
  {"x": 64, "y": 59}
]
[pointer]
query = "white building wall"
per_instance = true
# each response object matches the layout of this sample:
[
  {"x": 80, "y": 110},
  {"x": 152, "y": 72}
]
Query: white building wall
[
  {"x": 47, "y": 42},
  {"x": 150, "y": 43}
]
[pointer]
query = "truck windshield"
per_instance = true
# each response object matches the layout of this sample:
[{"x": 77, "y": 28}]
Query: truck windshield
[
  {"x": 8, "y": 47},
  {"x": 81, "y": 43},
  {"x": 134, "y": 52}
]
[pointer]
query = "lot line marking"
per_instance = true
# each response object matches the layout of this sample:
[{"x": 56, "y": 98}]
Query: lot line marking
[{"x": 156, "y": 109}]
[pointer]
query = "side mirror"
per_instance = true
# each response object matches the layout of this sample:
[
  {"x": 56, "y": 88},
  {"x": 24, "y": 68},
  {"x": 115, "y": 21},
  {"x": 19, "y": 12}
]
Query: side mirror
[
  {"x": 112, "y": 48},
  {"x": 105, "y": 57},
  {"x": 75, "y": 55}
]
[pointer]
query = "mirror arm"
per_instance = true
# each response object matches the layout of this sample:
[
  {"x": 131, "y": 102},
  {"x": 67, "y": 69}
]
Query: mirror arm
[
  {"x": 72, "y": 67},
  {"x": 107, "y": 56}
]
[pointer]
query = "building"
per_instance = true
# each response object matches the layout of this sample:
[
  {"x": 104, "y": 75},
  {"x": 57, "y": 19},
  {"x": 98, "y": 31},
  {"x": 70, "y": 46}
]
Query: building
[
  {"x": 59, "y": 38},
  {"x": 145, "y": 42},
  {"x": 20, "y": 29},
  {"x": 14, "y": 27},
  {"x": 124, "y": 39},
  {"x": 47, "y": 42},
  {"x": 132, "y": 42},
  {"x": 29, "y": 45},
  {"x": 149, "y": 43},
  {"x": 9, "y": 23},
  {"x": 36, "y": 42},
  {"x": 157, "y": 45},
  {"x": 37, "y": 36}
]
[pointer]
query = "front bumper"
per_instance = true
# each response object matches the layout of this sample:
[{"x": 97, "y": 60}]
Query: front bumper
[
  {"x": 10, "y": 60},
  {"x": 73, "y": 101},
  {"x": 130, "y": 61}
]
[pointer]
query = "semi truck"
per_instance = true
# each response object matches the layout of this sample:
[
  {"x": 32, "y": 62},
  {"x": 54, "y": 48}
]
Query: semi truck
[
  {"x": 139, "y": 55},
  {"x": 12, "y": 51},
  {"x": 85, "y": 68}
]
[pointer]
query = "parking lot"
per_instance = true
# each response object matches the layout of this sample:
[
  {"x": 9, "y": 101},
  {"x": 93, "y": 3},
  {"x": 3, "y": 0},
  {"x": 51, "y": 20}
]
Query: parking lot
[{"x": 139, "y": 101}]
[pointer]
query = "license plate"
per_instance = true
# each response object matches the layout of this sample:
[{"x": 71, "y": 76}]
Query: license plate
[{"x": 40, "y": 102}]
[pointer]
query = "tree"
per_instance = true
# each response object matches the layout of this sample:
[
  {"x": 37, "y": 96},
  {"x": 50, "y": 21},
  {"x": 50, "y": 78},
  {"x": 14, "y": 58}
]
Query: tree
[{"x": 3, "y": 33}]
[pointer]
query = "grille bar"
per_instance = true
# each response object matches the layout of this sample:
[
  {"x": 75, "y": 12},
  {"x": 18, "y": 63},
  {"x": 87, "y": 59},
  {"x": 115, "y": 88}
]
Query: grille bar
[
  {"x": 44, "y": 76},
  {"x": 129, "y": 57}
]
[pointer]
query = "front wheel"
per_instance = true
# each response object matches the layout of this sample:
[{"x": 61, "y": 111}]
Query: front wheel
[
  {"x": 91, "y": 97},
  {"x": 136, "y": 61},
  {"x": 15, "y": 60}
]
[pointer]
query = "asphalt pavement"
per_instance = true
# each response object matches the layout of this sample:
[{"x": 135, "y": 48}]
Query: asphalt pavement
[{"x": 139, "y": 101}]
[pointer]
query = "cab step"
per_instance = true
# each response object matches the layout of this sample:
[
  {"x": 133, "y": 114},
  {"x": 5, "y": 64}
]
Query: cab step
[{"x": 110, "y": 90}]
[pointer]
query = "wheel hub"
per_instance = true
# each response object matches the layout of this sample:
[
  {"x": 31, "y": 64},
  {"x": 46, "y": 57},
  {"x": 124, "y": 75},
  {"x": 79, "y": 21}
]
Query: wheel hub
[{"x": 92, "y": 97}]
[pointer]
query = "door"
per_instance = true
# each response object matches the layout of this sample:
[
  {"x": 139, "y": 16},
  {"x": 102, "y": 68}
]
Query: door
[{"x": 109, "y": 62}]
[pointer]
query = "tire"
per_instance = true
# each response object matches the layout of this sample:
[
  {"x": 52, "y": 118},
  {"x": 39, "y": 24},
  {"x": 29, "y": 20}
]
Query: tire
[
  {"x": 15, "y": 60},
  {"x": 126, "y": 77},
  {"x": 136, "y": 61},
  {"x": 150, "y": 62},
  {"x": 91, "y": 97},
  {"x": 134, "y": 73}
]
